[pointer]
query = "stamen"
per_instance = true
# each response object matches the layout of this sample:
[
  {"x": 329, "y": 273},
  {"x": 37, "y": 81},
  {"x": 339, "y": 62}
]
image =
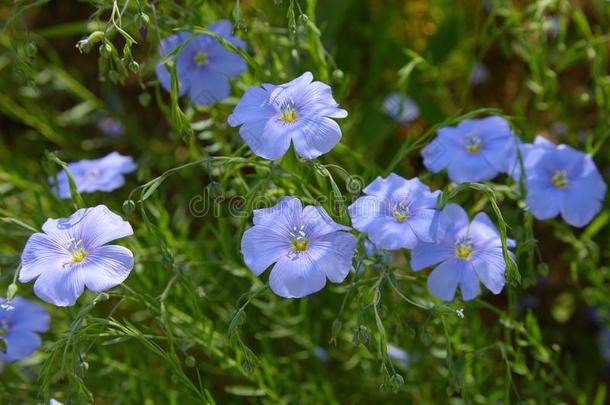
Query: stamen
[
  {"x": 200, "y": 58},
  {"x": 299, "y": 242},
  {"x": 473, "y": 143},
  {"x": 560, "y": 178},
  {"x": 463, "y": 249},
  {"x": 401, "y": 211},
  {"x": 77, "y": 251}
]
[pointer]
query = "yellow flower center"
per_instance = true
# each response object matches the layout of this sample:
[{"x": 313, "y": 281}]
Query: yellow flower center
[
  {"x": 201, "y": 58},
  {"x": 299, "y": 244},
  {"x": 559, "y": 179},
  {"x": 401, "y": 211},
  {"x": 463, "y": 249},
  {"x": 78, "y": 255},
  {"x": 289, "y": 115},
  {"x": 473, "y": 144}
]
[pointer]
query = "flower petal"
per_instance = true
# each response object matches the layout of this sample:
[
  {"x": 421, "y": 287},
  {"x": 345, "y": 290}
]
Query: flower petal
[
  {"x": 490, "y": 266},
  {"x": 443, "y": 280},
  {"x": 318, "y": 222},
  {"x": 270, "y": 143},
  {"x": 41, "y": 253},
  {"x": 333, "y": 254},
  {"x": 543, "y": 200},
  {"x": 27, "y": 315},
  {"x": 387, "y": 233},
  {"x": 20, "y": 344},
  {"x": 422, "y": 224},
  {"x": 106, "y": 267},
  {"x": 254, "y": 107},
  {"x": 296, "y": 276},
  {"x": 428, "y": 254},
  {"x": 262, "y": 246},
  {"x": 469, "y": 283},
  {"x": 100, "y": 226},
  {"x": 208, "y": 87},
  {"x": 60, "y": 286},
  {"x": 316, "y": 136},
  {"x": 365, "y": 210}
]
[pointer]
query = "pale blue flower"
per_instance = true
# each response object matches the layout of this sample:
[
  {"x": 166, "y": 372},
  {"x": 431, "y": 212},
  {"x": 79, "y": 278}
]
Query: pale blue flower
[
  {"x": 21, "y": 321},
  {"x": 104, "y": 174},
  {"x": 561, "y": 180},
  {"x": 398, "y": 354},
  {"x": 464, "y": 252},
  {"x": 305, "y": 244},
  {"x": 203, "y": 66},
  {"x": 395, "y": 212},
  {"x": 400, "y": 108},
  {"x": 474, "y": 150},
  {"x": 271, "y": 116},
  {"x": 72, "y": 254}
]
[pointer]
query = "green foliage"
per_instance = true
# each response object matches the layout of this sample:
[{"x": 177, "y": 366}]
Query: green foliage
[{"x": 192, "y": 324}]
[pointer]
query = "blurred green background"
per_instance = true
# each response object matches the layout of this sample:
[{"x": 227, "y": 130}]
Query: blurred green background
[{"x": 192, "y": 324}]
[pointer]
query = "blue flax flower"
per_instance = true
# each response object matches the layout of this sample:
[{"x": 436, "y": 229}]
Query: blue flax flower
[
  {"x": 104, "y": 174},
  {"x": 203, "y": 66},
  {"x": 72, "y": 254},
  {"x": 561, "y": 179},
  {"x": 474, "y": 150},
  {"x": 299, "y": 111},
  {"x": 398, "y": 354},
  {"x": 395, "y": 212},
  {"x": 401, "y": 108},
  {"x": 305, "y": 244},
  {"x": 464, "y": 252},
  {"x": 20, "y": 322}
]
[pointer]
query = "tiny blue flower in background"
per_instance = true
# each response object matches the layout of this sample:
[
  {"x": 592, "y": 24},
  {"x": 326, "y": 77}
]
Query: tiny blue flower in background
[
  {"x": 398, "y": 354},
  {"x": 474, "y": 150},
  {"x": 479, "y": 74},
  {"x": 111, "y": 127},
  {"x": 561, "y": 180},
  {"x": 395, "y": 212},
  {"x": 104, "y": 174},
  {"x": 53, "y": 401},
  {"x": 604, "y": 344},
  {"x": 20, "y": 322},
  {"x": 401, "y": 108},
  {"x": 321, "y": 354},
  {"x": 72, "y": 254},
  {"x": 464, "y": 252},
  {"x": 299, "y": 111},
  {"x": 203, "y": 65},
  {"x": 305, "y": 244}
]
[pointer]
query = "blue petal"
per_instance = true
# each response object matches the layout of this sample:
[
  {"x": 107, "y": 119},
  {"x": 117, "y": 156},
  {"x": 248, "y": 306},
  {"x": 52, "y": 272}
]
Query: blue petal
[
  {"x": 20, "y": 344},
  {"x": 106, "y": 267},
  {"x": 315, "y": 136},
  {"x": 41, "y": 253},
  {"x": 390, "y": 187},
  {"x": 333, "y": 254},
  {"x": 26, "y": 316},
  {"x": 543, "y": 199},
  {"x": 452, "y": 221},
  {"x": 387, "y": 233},
  {"x": 428, "y": 254},
  {"x": 490, "y": 266},
  {"x": 296, "y": 276},
  {"x": 254, "y": 107},
  {"x": 422, "y": 224},
  {"x": 262, "y": 246},
  {"x": 318, "y": 223},
  {"x": 483, "y": 232},
  {"x": 470, "y": 167},
  {"x": 469, "y": 284},
  {"x": 99, "y": 226},
  {"x": 60, "y": 286},
  {"x": 579, "y": 204},
  {"x": 444, "y": 279},
  {"x": 208, "y": 87},
  {"x": 165, "y": 47},
  {"x": 271, "y": 142},
  {"x": 437, "y": 155},
  {"x": 286, "y": 214},
  {"x": 365, "y": 210}
]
